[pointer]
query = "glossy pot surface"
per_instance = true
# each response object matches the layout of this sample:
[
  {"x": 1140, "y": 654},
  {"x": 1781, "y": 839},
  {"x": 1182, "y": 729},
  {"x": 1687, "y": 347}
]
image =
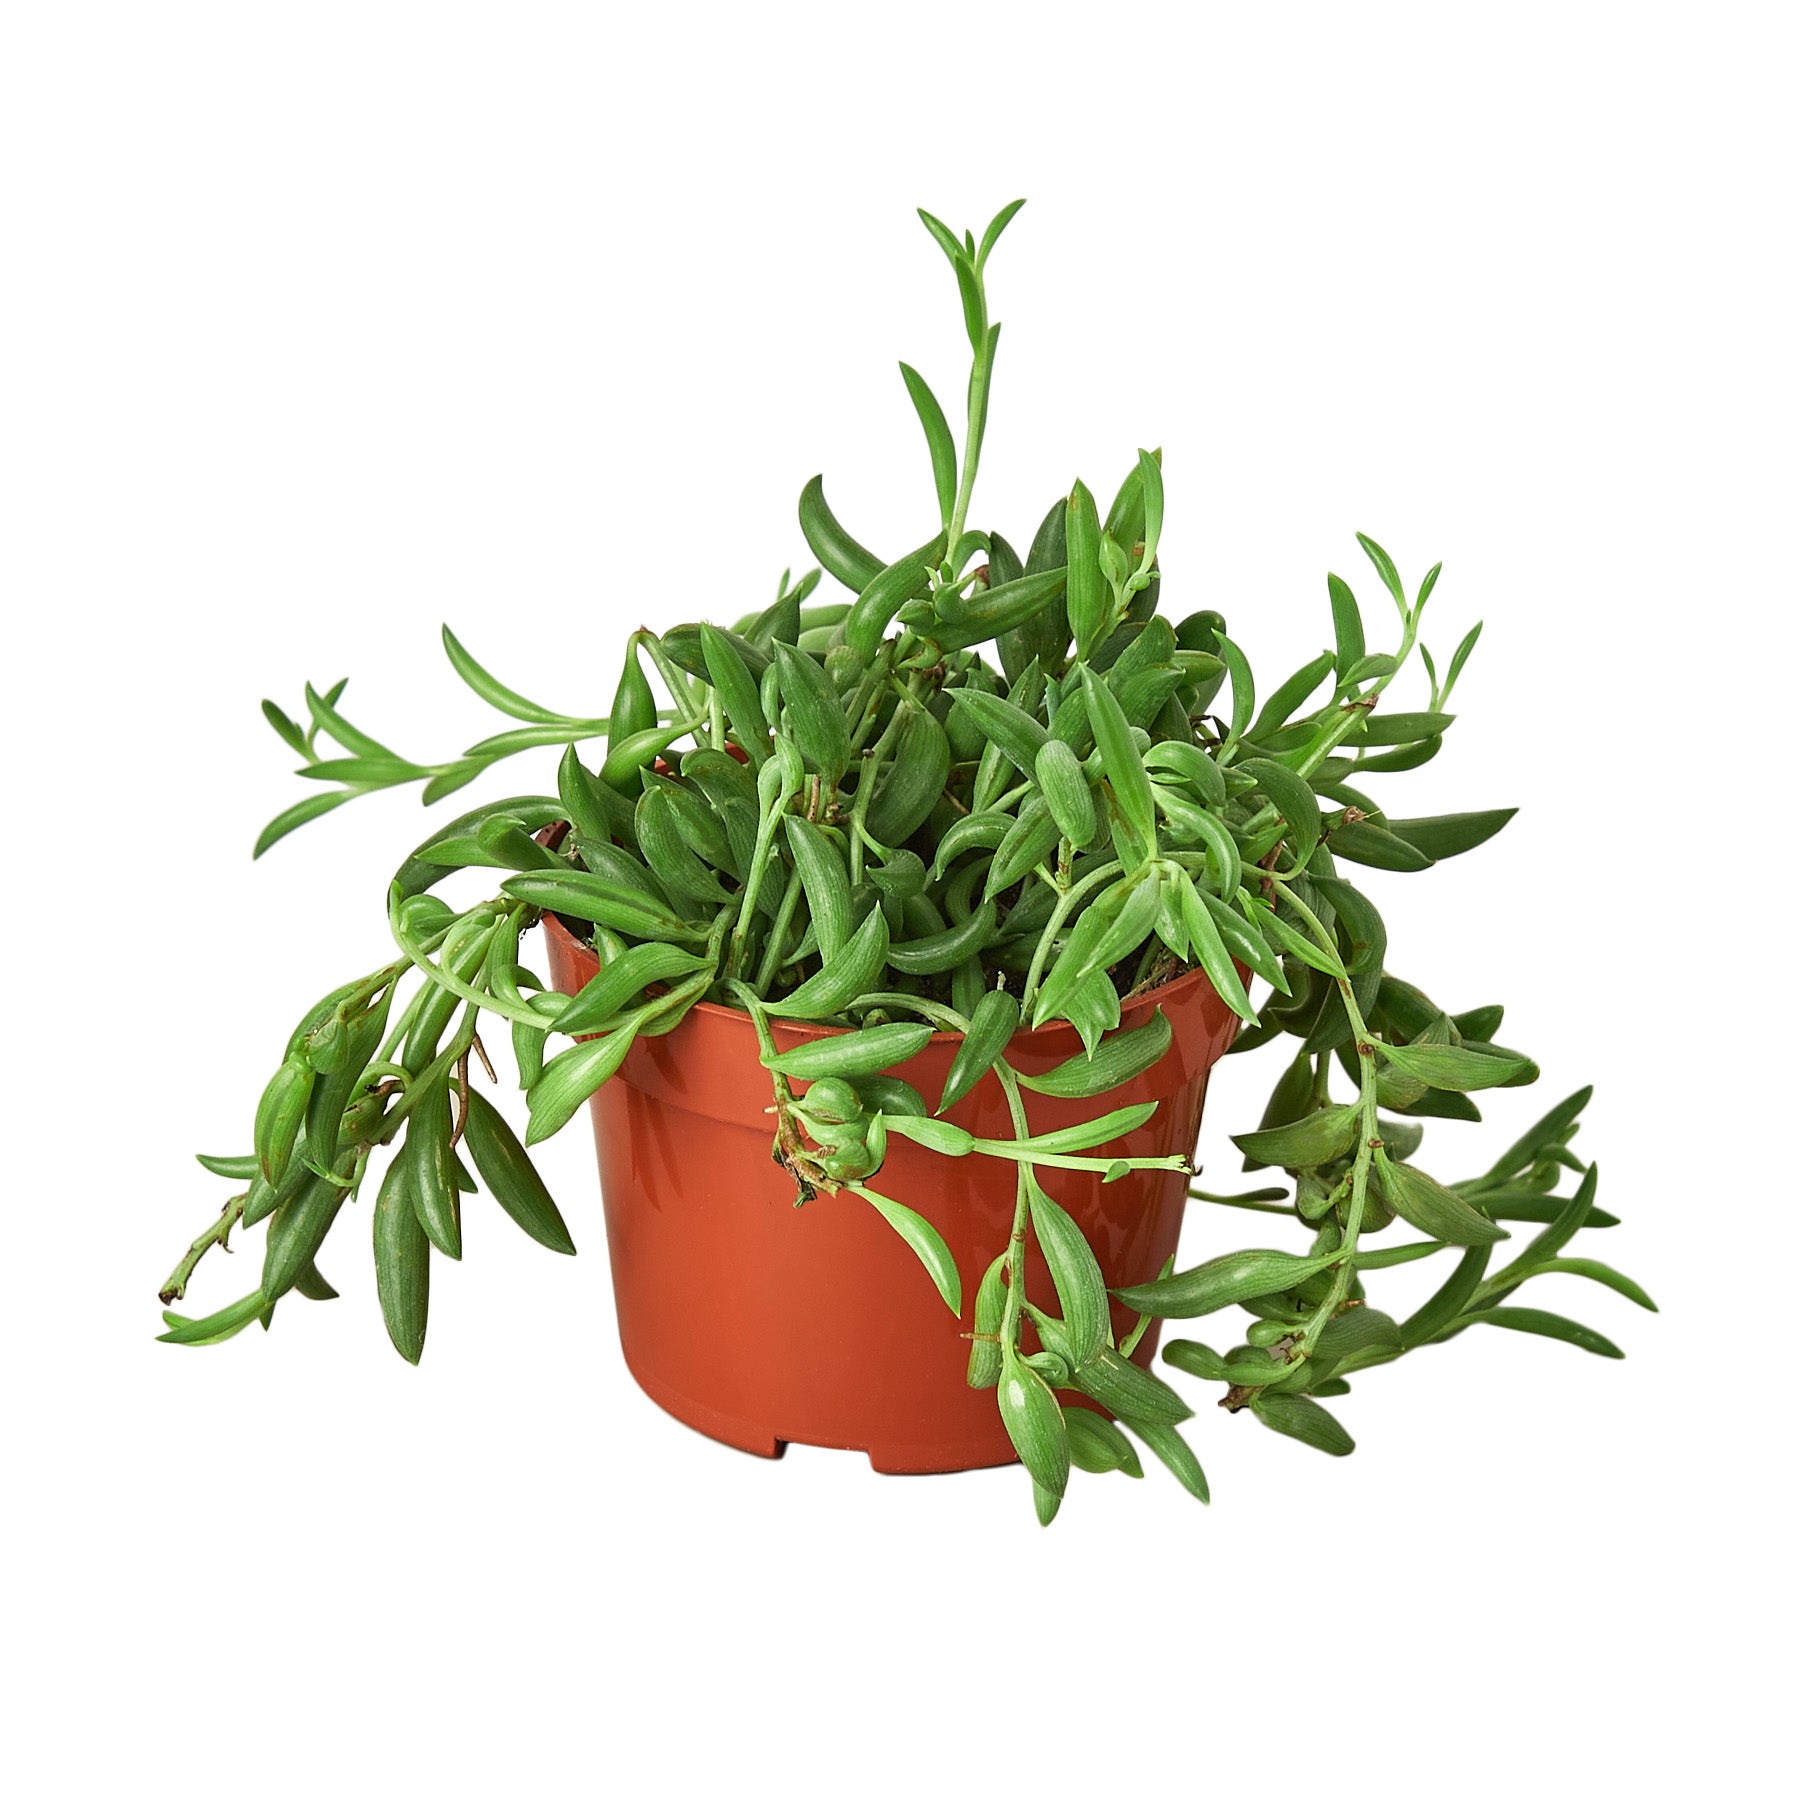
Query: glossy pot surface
[{"x": 761, "y": 1323}]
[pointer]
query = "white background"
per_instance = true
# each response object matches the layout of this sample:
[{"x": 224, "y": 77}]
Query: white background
[{"x": 325, "y": 324}]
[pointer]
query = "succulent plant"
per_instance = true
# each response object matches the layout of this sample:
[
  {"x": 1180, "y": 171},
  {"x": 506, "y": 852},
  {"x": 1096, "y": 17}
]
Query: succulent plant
[{"x": 983, "y": 790}]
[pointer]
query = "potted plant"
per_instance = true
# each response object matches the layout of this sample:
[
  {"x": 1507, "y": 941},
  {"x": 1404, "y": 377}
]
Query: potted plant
[{"x": 946, "y": 895}]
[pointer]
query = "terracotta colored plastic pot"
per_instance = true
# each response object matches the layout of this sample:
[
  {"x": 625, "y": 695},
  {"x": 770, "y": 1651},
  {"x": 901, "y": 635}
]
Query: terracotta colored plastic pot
[{"x": 761, "y": 1323}]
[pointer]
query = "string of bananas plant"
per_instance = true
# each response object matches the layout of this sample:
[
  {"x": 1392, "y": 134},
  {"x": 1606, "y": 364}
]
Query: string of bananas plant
[{"x": 985, "y": 791}]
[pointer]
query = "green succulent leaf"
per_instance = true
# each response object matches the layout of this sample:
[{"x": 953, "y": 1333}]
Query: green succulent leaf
[
  {"x": 815, "y": 714},
  {"x": 217, "y": 1327},
  {"x": 1346, "y": 620},
  {"x": 1211, "y": 950},
  {"x": 1018, "y": 735},
  {"x": 1121, "y": 762},
  {"x": 1227, "y": 1280},
  {"x": 1293, "y": 799},
  {"x": 572, "y": 1077},
  {"x": 852, "y": 1053},
  {"x": 1171, "y": 1450},
  {"x": 1550, "y": 1325},
  {"x": 1307, "y": 1142},
  {"x": 924, "y": 1240},
  {"x": 1088, "y": 604},
  {"x": 1080, "y": 1287},
  {"x": 991, "y": 1029},
  {"x": 603, "y": 902},
  {"x": 402, "y": 1265},
  {"x": 1098, "y": 1446},
  {"x": 1432, "y": 1208},
  {"x": 1034, "y": 1422},
  {"x": 1365, "y": 842},
  {"x": 510, "y": 1176},
  {"x": 886, "y": 593},
  {"x": 1452, "y": 1066},
  {"x": 937, "y": 438},
  {"x": 1119, "y": 1058},
  {"x": 839, "y": 554},
  {"x": 1450, "y": 834},
  {"x": 1603, "y": 1273},
  {"x": 1304, "y": 1419},
  {"x": 852, "y": 972}
]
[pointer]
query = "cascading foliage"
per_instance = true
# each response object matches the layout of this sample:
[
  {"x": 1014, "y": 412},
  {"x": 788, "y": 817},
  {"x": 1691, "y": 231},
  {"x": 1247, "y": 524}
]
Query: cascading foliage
[{"x": 987, "y": 791}]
